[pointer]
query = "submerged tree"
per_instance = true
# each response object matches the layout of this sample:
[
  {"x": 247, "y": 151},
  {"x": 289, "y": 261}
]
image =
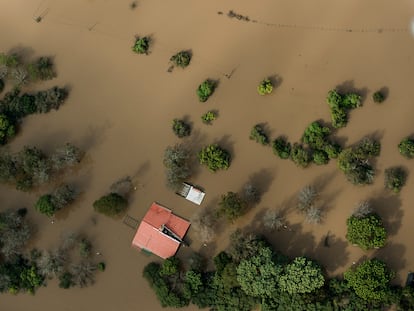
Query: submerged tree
[{"x": 273, "y": 220}]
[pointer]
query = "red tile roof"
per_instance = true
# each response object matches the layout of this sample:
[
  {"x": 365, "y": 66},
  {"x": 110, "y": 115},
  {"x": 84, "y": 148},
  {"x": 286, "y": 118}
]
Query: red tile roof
[{"x": 149, "y": 236}]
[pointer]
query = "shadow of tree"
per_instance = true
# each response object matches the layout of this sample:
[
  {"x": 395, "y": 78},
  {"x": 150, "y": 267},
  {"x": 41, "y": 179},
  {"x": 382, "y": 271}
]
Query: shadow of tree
[
  {"x": 261, "y": 180},
  {"x": 393, "y": 255},
  {"x": 331, "y": 252},
  {"x": 388, "y": 206}
]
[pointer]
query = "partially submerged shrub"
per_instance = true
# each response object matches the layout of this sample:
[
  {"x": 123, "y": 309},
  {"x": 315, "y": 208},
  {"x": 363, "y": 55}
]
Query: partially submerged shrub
[
  {"x": 340, "y": 104},
  {"x": 209, "y": 117},
  {"x": 306, "y": 198},
  {"x": 313, "y": 215},
  {"x": 406, "y": 147},
  {"x": 395, "y": 178},
  {"x": 181, "y": 128},
  {"x": 110, "y": 205},
  {"x": 231, "y": 205},
  {"x": 265, "y": 87},
  {"x": 299, "y": 155},
  {"x": 42, "y": 69},
  {"x": 141, "y": 45},
  {"x": 177, "y": 163},
  {"x": 378, "y": 97},
  {"x": 181, "y": 59},
  {"x": 205, "y": 90},
  {"x": 251, "y": 194},
  {"x": 273, "y": 220},
  {"x": 315, "y": 135},
  {"x": 362, "y": 209},
  {"x": 258, "y": 134},
  {"x": 7, "y": 129},
  {"x": 101, "y": 266},
  {"x": 320, "y": 157},
  {"x": 214, "y": 157},
  {"x": 85, "y": 247},
  {"x": 281, "y": 147}
]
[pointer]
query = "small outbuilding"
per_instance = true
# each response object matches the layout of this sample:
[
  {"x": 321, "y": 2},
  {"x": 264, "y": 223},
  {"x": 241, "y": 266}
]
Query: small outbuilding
[
  {"x": 191, "y": 193},
  {"x": 160, "y": 232}
]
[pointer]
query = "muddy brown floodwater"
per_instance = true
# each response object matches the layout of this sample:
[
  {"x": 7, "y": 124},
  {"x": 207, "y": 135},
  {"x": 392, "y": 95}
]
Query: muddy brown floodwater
[{"x": 121, "y": 106}]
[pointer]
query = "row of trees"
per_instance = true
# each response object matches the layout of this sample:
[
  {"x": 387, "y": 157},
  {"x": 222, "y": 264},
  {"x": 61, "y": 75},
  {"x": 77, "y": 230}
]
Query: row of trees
[
  {"x": 250, "y": 274},
  {"x": 31, "y": 166}
]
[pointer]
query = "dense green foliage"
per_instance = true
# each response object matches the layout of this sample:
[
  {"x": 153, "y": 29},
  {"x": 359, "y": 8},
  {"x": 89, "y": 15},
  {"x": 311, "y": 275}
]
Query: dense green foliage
[
  {"x": 205, "y": 90},
  {"x": 265, "y": 87},
  {"x": 258, "y": 134},
  {"x": 41, "y": 69},
  {"x": 209, "y": 117},
  {"x": 340, "y": 104},
  {"x": 181, "y": 128},
  {"x": 370, "y": 280},
  {"x": 301, "y": 276},
  {"x": 299, "y": 155},
  {"x": 177, "y": 164},
  {"x": 258, "y": 276},
  {"x": 251, "y": 276},
  {"x": 367, "y": 232},
  {"x": 111, "y": 204},
  {"x": 281, "y": 147},
  {"x": 406, "y": 147},
  {"x": 231, "y": 205},
  {"x": 354, "y": 161},
  {"x": 181, "y": 59},
  {"x": 214, "y": 157},
  {"x": 141, "y": 45},
  {"x": 49, "y": 204},
  {"x": 395, "y": 178},
  {"x": 7, "y": 129}
]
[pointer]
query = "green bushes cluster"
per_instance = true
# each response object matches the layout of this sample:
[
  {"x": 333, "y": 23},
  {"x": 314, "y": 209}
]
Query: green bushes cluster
[
  {"x": 258, "y": 134},
  {"x": 300, "y": 156},
  {"x": 354, "y": 161},
  {"x": 378, "y": 97},
  {"x": 141, "y": 45},
  {"x": 395, "y": 178},
  {"x": 366, "y": 231},
  {"x": 265, "y": 87},
  {"x": 231, "y": 206},
  {"x": 49, "y": 204},
  {"x": 181, "y": 128},
  {"x": 214, "y": 157},
  {"x": 321, "y": 148},
  {"x": 340, "y": 104},
  {"x": 406, "y": 147},
  {"x": 209, "y": 117},
  {"x": 111, "y": 204},
  {"x": 181, "y": 59},
  {"x": 282, "y": 148},
  {"x": 31, "y": 167},
  {"x": 205, "y": 90}
]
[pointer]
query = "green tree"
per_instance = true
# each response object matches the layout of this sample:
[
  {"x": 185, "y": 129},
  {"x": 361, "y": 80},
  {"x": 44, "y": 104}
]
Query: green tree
[
  {"x": 395, "y": 178},
  {"x": 66, "y": 280},
  {"x": 111, "y": 204},
  {"x": 281, "y": 147},
  {"x": 181, "y": 128},
  {"x": 316, "y": 135},
  {"x": 258, "y": 276},
  {"x": 301, "y": 276},
  {"x": 300, "y": 156},
  {"x": 141, "y": 45},
  {"x": 205, "y": 90},
  {"x": 181, "y": 59},
  {"x": 45, "y": 206},
  {"x": 67, "y": 155},
  {"x": 265, "y": 87},
  {"x": 378, "y": 97},
  {"x": 170, "y": 266},
  {"x": 367, "y": 232},
  {"x": 209, "y": 117},
  {"x": 231, "y": 205},
  {"x": 258, "y": 134},
  {"x": 406, "y": 147},
  {"x": 320, "y": 157},
  {"x": 370, "y": 280},
  {"x": 193, "y": 281},
  {"x": 7, "y": 129},
  {"x": 214, "y": 157}
]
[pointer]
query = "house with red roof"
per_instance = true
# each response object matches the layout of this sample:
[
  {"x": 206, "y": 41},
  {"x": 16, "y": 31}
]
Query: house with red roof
[{"x": 160, "y": 232}]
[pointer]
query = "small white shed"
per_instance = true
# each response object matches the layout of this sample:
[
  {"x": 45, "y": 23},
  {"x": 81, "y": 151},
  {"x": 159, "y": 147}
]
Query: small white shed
[{"x": 191, "y": 193}]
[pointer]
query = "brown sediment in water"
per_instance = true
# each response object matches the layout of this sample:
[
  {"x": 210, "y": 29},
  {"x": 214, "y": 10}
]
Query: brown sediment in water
[{"x": 121, "y": 106}]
